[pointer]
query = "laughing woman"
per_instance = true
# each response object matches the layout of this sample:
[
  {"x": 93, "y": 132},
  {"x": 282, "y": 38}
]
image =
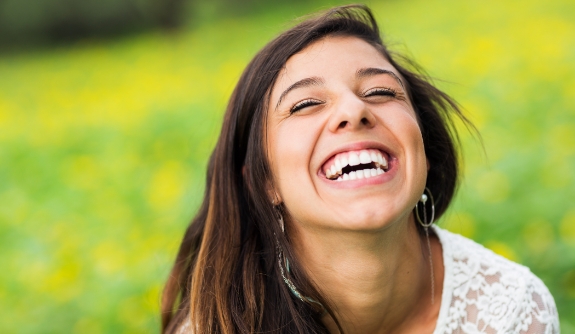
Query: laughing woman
[{"x": 333, "y": 161}]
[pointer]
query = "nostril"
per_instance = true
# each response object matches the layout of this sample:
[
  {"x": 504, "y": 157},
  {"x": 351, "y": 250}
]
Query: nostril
[
  {"x": 343, "y": 124},
  {"x": 365, "y": 121}
]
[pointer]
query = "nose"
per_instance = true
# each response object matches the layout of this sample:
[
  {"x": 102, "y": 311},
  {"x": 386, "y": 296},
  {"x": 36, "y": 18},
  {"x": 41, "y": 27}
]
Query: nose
[{"x": 351, "y": 114}]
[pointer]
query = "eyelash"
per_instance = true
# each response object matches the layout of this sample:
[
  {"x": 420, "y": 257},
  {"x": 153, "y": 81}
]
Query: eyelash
[
  {"x": 372, "y": 92},
  {"x": 304, "y": 104},
  {"x": 381, "y": 92}
]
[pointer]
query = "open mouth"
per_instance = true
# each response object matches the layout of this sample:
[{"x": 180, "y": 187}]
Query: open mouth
[{"x": 353, "y": 165}]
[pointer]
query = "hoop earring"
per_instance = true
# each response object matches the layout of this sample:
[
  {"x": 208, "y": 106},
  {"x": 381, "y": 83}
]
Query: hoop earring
[
  {"x": 283, "y": 262},
  {"x": 423, "y": 200},
  {"x": 426, "y": 224}
]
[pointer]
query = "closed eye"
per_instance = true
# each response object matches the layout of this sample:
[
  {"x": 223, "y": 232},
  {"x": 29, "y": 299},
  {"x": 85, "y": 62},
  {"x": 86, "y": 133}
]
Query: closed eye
[
  {"x": 304, "y": 104},
  {"x": 380, "y": 92}
]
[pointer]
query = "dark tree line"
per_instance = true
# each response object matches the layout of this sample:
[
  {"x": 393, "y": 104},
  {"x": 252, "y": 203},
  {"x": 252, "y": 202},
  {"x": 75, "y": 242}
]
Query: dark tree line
[{"x": 47, "y": 21}]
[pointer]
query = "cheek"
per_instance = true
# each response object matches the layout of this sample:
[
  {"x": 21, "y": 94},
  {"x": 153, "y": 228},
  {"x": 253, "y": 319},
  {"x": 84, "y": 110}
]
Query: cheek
[
  {"x": 290, "y": 151},
  {"x": 421, "y": 164},
  {"x": 407, "y": 128},
  {"x": 416, "y": 144},
  {"x": 293, "y": 145},
  {"x": 419, "y": 146}
]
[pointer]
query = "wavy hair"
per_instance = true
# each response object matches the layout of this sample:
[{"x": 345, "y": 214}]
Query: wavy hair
[{"x": 226, "y": 277}]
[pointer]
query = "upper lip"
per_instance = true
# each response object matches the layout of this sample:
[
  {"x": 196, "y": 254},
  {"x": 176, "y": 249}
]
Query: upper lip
[{"x": 364, "y": 145}]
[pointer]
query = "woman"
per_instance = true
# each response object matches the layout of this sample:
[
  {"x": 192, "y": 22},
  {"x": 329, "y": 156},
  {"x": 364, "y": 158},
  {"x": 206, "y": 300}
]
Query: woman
[{"x": 332, "y": 164}]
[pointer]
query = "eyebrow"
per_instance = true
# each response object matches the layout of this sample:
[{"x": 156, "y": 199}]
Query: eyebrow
[
  {"x": 372, "y": 71},
  {"x": 313, "y": 81},
  {"x": 317, "y": 81}
]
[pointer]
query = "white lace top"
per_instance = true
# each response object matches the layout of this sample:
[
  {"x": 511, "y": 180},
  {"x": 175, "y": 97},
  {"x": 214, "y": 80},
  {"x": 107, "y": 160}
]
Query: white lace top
[{"x": 486, "y": 293}]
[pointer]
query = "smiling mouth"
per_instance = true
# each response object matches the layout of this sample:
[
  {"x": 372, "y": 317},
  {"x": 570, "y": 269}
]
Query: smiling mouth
[{"x": 353, "y": 165}]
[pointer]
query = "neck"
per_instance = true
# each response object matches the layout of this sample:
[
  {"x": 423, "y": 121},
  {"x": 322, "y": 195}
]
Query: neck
[{"x": 375, "y": 282}]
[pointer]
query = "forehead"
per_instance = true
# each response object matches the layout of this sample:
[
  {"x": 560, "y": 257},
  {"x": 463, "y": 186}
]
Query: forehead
[{"x": 330, "y": 55}]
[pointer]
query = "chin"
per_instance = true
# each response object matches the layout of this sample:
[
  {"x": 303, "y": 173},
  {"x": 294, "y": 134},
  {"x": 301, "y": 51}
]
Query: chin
[{"x": 374, "y": 220}]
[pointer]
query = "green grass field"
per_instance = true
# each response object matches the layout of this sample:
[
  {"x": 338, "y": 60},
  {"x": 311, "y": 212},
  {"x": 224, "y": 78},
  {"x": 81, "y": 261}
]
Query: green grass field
[{"x": 103, "y": 147}]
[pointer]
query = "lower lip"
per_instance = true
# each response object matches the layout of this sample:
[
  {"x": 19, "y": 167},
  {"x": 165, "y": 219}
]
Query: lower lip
[{"x": 374, "y": 180}]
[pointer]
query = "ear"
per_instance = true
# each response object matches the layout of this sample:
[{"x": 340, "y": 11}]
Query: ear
[{"x": 273, "y": 194}]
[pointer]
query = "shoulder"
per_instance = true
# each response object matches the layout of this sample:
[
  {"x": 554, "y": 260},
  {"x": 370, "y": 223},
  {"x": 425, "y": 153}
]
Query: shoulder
[{"x": 486, "y": 292}]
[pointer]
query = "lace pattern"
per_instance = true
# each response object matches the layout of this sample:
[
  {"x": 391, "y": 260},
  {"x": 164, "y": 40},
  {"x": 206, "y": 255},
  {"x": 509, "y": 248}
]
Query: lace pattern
[{"x": 486, "y": 293}]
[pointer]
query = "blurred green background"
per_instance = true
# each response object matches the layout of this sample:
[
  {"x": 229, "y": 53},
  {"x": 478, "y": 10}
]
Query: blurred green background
[{"x": 104, "y": 141}]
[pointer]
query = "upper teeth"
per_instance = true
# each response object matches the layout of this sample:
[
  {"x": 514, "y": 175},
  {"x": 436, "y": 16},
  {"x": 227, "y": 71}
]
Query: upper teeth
[{"x": 354, "y": 158}]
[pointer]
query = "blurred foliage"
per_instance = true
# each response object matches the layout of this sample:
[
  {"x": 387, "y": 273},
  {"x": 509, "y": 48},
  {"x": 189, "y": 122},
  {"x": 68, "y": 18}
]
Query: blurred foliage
[
  {"x": 103, "y": 148},
  {"x": 48, "y": 21}
]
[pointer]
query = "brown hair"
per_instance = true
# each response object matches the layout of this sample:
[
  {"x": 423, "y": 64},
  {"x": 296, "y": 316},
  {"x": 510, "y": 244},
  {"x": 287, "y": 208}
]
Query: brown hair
[{"x": 226, "y": 278}]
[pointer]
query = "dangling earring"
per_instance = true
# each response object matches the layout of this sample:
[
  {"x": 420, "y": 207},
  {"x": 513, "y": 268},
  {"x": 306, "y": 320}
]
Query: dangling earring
[
  {"x": 283, "y": 262},
  {"x": 281, "y": 220},
  {"x": 282, "y": 258},
  {"x": 426, "y": 224}
]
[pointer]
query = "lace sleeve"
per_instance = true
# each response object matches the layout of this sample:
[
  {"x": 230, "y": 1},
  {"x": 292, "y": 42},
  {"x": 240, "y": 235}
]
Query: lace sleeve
[
  {"x": 540, "y": 315},
  {"x": 486, "y": 293}
]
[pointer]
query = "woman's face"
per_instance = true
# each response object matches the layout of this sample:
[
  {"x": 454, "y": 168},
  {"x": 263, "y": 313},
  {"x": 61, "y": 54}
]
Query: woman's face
[{"x": 344, "y": 145}]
